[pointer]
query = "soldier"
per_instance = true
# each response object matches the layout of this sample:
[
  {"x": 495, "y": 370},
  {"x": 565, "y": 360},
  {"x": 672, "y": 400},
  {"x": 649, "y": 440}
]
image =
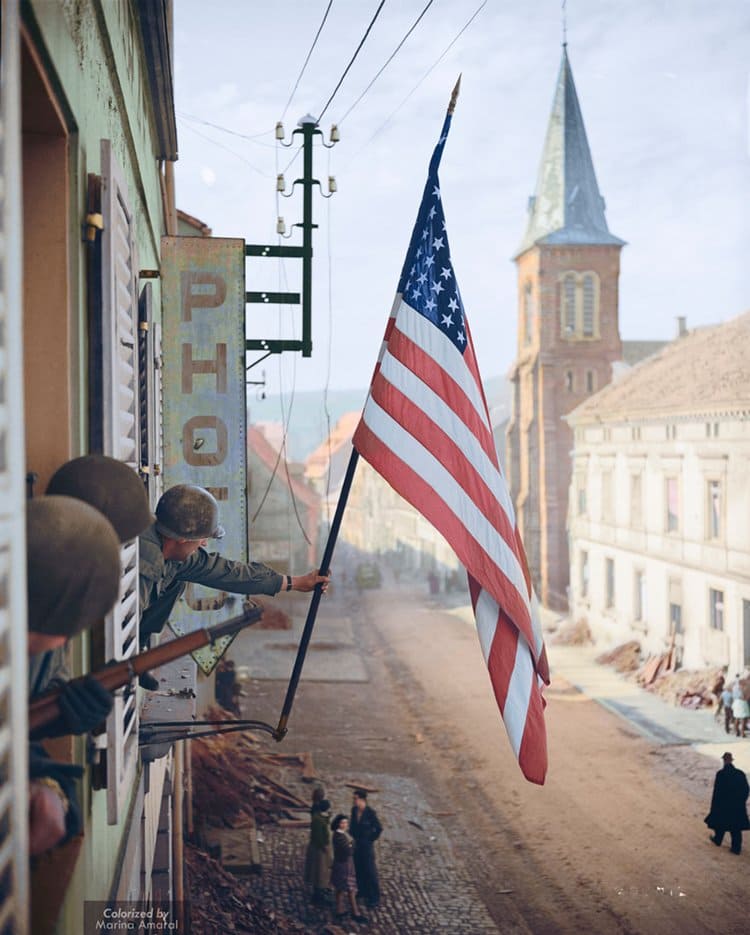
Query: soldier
[
  {"x": 73, "y": 577},
  {"x": 173, "y": 553},
  {"x": 115, "y": 490}
]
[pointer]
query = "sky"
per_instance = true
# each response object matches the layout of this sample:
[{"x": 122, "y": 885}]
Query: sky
[{"x": 664, "y": 89}]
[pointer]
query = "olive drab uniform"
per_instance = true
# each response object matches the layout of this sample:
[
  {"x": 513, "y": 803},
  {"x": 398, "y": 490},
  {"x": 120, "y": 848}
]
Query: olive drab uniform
[{"x": 163, "y": 581}]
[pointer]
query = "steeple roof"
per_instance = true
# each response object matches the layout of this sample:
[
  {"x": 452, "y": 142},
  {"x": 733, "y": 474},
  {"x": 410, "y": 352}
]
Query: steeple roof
[{"x": 567, "y": 207}]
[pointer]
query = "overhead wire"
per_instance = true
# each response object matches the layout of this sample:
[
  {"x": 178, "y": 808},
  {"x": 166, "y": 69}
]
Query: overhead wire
[
  {"x": 253, "y": 137},
  {"x": 388, "y": 60},
  {"x": 424, "y": 77},
  {"x": 352, "y": 60},
  {"x": 210, "y": 139},
  {"x": 304, "y": 66}
]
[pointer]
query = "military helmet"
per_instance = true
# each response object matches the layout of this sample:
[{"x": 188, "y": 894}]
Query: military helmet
[
  {"x": 111, "y": 487},
  {"x": 188, "y": 512},
  {"x": 72, "y": 565}
]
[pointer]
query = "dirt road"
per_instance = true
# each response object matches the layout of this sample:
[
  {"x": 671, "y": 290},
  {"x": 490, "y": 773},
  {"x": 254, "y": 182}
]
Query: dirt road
[{"x": 614, "y": 841}]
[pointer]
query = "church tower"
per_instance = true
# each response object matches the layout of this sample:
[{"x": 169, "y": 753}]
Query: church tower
[{"x": 568, "y": 336}]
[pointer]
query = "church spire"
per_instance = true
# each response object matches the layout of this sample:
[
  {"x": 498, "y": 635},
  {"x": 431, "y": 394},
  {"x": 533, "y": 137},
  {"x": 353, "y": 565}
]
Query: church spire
[{"x": 567, "y": 207}]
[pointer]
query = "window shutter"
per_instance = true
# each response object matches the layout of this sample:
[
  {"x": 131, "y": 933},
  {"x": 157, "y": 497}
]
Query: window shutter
[
  {"x": 14, "y": 803},
  {"x": 149, "y": 355},
  {"x": 122, "y": 441}
]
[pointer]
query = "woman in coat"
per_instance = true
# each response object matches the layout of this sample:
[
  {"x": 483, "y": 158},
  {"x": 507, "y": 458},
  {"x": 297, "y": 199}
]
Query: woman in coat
[
  {"x": 319, "y": 855},
  {"x": 343, "y": 878}
]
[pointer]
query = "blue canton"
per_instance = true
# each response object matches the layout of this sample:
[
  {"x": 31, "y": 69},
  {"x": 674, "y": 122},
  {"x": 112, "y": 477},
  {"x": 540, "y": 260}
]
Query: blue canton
[{"x": 427, "y": 281}]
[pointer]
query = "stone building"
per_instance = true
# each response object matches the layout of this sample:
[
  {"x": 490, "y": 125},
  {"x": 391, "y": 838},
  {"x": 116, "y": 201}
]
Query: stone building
[
  {"x": 568, "y": 336},
  {"x": 659, "y": 502}
]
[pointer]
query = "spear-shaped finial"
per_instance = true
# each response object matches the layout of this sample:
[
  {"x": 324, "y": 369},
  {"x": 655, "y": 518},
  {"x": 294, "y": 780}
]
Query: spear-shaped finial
[{"x": 454, "y": 96}]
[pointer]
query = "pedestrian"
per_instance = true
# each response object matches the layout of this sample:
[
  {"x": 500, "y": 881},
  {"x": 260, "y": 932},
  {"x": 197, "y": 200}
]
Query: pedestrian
[
  {"x": 319, "y": 856},
  {"x": 173, "y": 553},
  {"x": 343, "y": 876},
  {"x": 740, "y": 713},
  {"x": 365, "y": 829},
  {"x": 728, "y": 805},
  {"x": 717, "y": 689},
  {"x": 727, "y": 699}
]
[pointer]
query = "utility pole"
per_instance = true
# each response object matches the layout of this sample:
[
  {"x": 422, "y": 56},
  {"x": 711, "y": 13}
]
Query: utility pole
[{"x": 308, "y": 129}]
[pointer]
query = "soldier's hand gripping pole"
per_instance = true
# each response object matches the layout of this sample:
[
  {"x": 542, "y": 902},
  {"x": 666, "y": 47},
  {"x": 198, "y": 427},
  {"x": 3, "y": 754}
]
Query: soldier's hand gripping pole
[
  {"x": 45, "y": 709},
  {"x": 325, "y": 565}
]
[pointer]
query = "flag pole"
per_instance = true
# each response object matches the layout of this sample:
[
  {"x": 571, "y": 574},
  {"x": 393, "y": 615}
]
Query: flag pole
[{"x": 333, "y": 533}]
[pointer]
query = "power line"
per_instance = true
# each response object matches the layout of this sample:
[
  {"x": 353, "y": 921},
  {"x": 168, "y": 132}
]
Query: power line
[
  {"x": 424, "y": 76},
  {"x": 302, "y": 71},
  {"x": 243, "y": 136},
  {"x": 388, "y": 61},
  {"x": 351, "y": 61},
  {"x": 227, "y": 149}
]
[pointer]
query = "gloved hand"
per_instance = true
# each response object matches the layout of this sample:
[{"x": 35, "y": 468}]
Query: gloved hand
[{"x": 84, "y": 705}]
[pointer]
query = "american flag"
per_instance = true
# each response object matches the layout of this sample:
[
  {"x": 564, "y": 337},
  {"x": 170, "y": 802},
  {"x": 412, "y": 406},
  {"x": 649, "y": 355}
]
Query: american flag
[{"x": 426, "y": 429}]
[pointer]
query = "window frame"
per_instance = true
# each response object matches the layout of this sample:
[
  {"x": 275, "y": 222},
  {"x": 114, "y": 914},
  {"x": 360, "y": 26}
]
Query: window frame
[
  {"x": 671, "y": 520},
  {"x": 716, "y": 609},
  {"x": 573, "y": 313},
  {"x": 609, "y": 582}
]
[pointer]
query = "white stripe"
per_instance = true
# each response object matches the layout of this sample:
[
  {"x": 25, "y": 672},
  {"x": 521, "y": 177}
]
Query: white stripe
[
  {"x": 394, "y": 309},
  {"x": 426, "y": 465},
  {"x": 519, "y": 692},
  {"x": 486, "y": 612},
  {"x": 522, "y": 676},
  {"x": 431, "y": 339},
  {"x": 435, "y": 408}
]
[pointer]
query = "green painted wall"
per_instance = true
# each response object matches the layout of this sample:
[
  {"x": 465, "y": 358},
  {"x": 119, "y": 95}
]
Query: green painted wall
[{"x": 91, "y": 50}]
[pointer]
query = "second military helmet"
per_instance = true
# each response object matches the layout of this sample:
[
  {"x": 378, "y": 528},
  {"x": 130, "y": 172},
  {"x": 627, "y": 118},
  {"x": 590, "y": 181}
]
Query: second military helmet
[
  {"x": 188, "y": 512},
  {"x": 72, "y": 565},
  {"x": 111, "y": 487}
]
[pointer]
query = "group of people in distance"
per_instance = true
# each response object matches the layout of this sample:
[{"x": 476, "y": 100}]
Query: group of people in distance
[
  {"x": 74, "y": 534},
  {"x": 341, "y": 855},
  {"x": 733, "y": 704}
]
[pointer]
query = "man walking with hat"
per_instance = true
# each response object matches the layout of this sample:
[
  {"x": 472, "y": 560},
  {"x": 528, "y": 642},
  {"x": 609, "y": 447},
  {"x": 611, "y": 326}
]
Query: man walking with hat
[{"x": 728, "y": 805}]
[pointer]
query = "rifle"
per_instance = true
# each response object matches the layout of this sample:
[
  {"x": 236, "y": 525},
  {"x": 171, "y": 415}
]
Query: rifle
[{"x": 44, "y": 709}]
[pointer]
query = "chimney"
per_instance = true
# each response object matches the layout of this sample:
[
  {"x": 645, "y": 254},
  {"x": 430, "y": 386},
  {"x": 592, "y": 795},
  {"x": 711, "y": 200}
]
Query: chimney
[{"x": 681, "y": 326}]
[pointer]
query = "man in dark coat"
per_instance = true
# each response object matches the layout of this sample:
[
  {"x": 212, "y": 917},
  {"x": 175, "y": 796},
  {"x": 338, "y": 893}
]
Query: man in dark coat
[
  {"x": 365, "y": 828},
  {"x": 728, "y": 805}
]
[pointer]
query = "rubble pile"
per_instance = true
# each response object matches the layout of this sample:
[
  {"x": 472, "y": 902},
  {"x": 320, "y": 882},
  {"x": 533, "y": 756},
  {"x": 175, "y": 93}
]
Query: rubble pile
[
  {"x": 572, "y": 633},
  {"x": 687, "y": 688},
  {"x": 235, "y": 782},
  {"x": 624, "y": 658},
  {"x": 221, "y": 902},
  {"x": 236, "y": 786}
]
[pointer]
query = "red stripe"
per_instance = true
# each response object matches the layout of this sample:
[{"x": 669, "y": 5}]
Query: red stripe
[
  {"x": 532, "y": 756},
  {"x": 431, "y": 436},
  {"x": 440, "y": 382},
  {"x": 423, "y": 497}
]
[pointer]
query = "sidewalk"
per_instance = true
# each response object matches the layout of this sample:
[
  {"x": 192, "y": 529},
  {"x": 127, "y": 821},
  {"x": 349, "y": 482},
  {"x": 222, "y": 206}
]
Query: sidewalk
[{"x": 656, "y": 719}]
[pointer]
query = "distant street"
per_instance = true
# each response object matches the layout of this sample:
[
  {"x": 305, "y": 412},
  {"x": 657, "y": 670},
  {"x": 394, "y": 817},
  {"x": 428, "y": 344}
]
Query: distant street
[{"x": 615, "y": 840}]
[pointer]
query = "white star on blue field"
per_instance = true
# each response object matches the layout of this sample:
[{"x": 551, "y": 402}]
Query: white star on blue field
[{"x": 427, "y": 282}]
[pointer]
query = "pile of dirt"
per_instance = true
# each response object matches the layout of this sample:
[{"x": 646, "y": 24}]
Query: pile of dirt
[
  {"x": 221, "y": 902},
  {"x": 572, "y": 633},
  {"x": 624, "y": 658},
  {"x": 235, "y": 781},
  {"x": 687, "y": 688}
]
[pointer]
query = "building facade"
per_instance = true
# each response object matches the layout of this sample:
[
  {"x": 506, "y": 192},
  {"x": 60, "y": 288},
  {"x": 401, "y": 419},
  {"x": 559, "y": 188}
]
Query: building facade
[
  {"x": 88, "y": 145},
  {"x": 659, "y": 502},
  {"x": 568, "y": 335}
]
